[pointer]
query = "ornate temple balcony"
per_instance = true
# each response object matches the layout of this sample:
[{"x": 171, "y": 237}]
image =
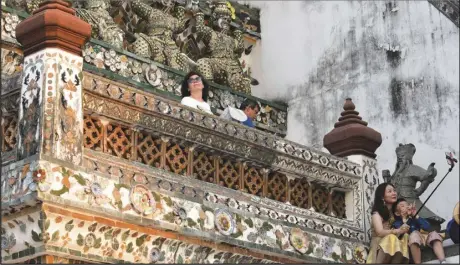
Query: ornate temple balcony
[{"x": 133, "y": 175}]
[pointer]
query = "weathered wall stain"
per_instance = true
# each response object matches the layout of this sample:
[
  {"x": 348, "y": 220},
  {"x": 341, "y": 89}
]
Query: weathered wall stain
[
  {"x": 393, "y": 57},
  {"x": 398, "y": 102}
]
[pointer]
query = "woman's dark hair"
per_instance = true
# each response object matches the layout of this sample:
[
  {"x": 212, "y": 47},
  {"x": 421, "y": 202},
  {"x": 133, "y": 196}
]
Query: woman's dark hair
[
  {"x": 184, "y": 88},
  {"x": 395, "y": 205},
  {"x": 379, "y": 205},
  {"x": 249, "y": 103}
]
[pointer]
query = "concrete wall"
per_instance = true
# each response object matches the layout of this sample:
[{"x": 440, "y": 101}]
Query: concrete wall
[{"x": 397, "y": 60}]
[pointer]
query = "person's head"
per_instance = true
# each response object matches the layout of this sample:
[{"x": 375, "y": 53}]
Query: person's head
[
  {"x": 385, "y": 195},
  {"x": 221, "y": 16},
  {"x": 401, "y": 207},
  {"x": 250, "y": 107},
  {"x": 192, "y": 82}
]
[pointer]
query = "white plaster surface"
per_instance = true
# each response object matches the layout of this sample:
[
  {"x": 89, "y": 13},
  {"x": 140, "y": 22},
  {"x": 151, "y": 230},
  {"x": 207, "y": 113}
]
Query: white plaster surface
[{"x": 314, "y": 54}]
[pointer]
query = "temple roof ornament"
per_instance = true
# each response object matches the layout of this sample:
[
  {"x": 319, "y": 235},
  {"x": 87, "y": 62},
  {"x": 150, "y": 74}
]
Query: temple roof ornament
[
  {"x": 351, "y": 136},
  {"x": 53, "y": 25}
]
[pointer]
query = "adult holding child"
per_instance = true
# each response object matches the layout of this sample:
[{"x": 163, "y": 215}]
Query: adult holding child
[{"x": 388, "y": 245}]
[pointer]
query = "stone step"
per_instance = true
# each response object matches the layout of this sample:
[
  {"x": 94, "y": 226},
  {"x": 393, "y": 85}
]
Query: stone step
[{"x": 452, "y": 253}]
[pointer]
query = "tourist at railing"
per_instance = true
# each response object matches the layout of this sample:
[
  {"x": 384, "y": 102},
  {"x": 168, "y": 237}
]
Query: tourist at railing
[
  {"x": 246, "y": 114},
  {"x": 404, "y": 214},
  {"x": 195, "y": 92},
  {"x": 386, "y": 247}
]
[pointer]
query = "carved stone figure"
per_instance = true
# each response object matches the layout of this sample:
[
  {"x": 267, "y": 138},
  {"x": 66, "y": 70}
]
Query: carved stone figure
[
  {"x": 103, "y": 27},
  {"x": 223, "y": 51},
  {"x": 405, "y": 179},
  {"x": 27, "y": 5},
  {"x": 157, "y": 42}
]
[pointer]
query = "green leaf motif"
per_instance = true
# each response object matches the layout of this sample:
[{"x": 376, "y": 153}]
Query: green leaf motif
[
  {"x": 47, "y": 224},
  {"x": 115, "y": 244},
  {"x": 206, "y": 208},
  {"x": 30, "y": 219},
  {"x": 279, "y": 243},
  {"x": 92, "y": 227},
  {"x": 27, "y": 244},
  {"x": 116, "y": 232},
  {"x": 310, "y": 249},
  {"x": 266, "y": 227},
  {"x": 168, "y": 201},
  {"x": 79, "y": 178},
  {"x": 129, "y": 247},
  {"x": 69, "y": 226},
  {"x": 35, "y": 236},
  {"x": 98, "y": 243},
  {"x": 335, "y": 256},
  {"x": 119, "y": 186},
  {"x": 80, "y": 240},
  {"x": 169, "y": 217},
  {"x": 140, "y": 240},
  {"x": 108, "y": 234},
  {"x": 22, "y": 227},
  {"x": 125, "y": 235},
  {"x": 156, "y": 196},
  {"x": 238, "y": 218},
  {"x": 190, "y": 222},
  {"x": 180, "y": 260},
  {"x": 201, "y": 222},
  {"x": 63, "y": 190},
  {"x": 249, "y": 223},
  {"x": 55, "y": 236},
  {"x": 158, "y": 241}
]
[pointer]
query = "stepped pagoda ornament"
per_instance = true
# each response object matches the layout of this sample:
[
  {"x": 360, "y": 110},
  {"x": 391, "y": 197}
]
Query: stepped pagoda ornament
[
  {"x": 405, "y": 179},
  {"x": 222, "y": 51},
  {"x": 351, "y": 136}
]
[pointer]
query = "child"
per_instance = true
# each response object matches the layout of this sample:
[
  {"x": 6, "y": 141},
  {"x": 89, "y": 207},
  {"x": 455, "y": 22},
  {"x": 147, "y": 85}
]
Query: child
[{"x": 404, "y": 214}]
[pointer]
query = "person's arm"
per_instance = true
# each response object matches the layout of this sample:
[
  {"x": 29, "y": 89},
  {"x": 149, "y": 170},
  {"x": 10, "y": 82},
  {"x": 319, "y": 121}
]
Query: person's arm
[
  {"x": 423, "y": 223},
  {"x": 397, "y": 224},
  {"x": 378, "y": 227}
]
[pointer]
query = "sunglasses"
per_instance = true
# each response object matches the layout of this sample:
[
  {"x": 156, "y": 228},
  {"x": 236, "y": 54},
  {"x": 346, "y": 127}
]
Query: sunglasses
[{"x": 192, "y": 80}]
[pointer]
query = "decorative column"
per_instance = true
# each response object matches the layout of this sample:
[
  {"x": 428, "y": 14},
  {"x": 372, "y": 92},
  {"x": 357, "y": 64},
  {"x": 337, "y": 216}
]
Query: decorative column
[
  {"x": 50, "y": 112},
  {"x": 352, "y": 138}
]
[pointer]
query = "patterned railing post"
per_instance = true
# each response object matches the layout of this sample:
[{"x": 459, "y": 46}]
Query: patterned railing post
[
  {"x": 352, "y": 138},
  {"x": 50, "y": 113}
]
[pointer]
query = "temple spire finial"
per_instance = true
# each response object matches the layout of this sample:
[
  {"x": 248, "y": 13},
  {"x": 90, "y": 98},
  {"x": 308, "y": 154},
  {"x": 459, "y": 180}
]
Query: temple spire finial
[{"x": 351, "y": 136}]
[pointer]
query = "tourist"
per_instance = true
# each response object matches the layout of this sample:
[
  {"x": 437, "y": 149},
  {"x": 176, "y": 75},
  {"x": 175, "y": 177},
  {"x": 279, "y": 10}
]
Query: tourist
[
  {"x": 453, "y": 227},
  {"x": 246, "y": 114},
  {"x": 386, "y": 247},
  {"x": 405, "y": 214},
  {"x": 195, "y": 92}
]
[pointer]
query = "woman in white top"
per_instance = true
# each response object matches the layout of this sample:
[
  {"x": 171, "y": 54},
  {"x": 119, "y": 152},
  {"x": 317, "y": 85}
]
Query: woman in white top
[{"x": 195, "y": 92}]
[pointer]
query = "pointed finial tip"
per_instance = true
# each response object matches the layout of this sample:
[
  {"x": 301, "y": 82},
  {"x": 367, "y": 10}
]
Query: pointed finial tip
[{"x": 349, "y": 105}]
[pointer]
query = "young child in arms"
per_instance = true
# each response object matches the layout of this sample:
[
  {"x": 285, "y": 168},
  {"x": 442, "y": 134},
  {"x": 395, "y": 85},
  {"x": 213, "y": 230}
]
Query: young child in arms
[{"x": 404, "y": 214}]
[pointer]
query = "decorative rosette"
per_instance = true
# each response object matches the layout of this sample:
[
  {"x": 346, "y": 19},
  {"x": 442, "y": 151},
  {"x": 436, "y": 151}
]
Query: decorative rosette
[
  {"x": 142, "y": 200},
  {"x": 299, "y": 240},
  {"x": 224, "y": 222},
  {"x": 360, "y": 253}
]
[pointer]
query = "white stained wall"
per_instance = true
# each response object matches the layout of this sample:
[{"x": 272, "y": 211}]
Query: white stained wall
[{"x": 397, "y": 60}]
